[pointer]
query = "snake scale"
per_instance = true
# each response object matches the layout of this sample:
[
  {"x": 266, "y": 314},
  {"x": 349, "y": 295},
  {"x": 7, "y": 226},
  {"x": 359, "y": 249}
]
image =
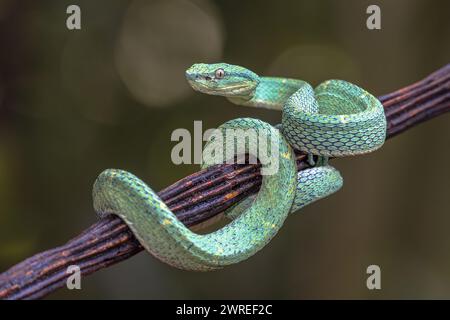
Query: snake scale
[{"x": 335, "y": 119}]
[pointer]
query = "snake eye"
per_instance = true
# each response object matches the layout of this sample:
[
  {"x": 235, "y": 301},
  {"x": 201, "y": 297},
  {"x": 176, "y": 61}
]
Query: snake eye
[{"x": 220, "y": 73}]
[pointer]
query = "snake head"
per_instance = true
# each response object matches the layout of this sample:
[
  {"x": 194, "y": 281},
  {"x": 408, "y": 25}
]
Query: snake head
[{"x": 222, "y": 79}]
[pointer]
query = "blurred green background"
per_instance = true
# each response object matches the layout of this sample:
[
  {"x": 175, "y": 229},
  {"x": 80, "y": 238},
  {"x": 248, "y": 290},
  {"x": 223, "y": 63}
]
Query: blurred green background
[{"x": 73, "y": 103}]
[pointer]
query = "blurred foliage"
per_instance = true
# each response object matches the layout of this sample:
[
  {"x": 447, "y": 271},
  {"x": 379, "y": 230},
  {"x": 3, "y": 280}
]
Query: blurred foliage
[{"x": 73, "y": 103}]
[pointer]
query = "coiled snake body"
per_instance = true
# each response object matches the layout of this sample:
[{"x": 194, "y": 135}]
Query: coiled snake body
[{"x": 335, "y": 119}]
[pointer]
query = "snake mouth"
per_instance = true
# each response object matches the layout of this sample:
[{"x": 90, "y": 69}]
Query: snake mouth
[{"x": 212, "y": 87}]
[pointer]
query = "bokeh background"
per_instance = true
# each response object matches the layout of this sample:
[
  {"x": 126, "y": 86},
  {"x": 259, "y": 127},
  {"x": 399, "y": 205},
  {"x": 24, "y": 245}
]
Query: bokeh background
[{"x": 73, "y": 103}]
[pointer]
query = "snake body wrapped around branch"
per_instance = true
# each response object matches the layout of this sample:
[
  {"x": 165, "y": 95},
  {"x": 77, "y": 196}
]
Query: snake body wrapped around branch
[{"x": 335, "y": 119}]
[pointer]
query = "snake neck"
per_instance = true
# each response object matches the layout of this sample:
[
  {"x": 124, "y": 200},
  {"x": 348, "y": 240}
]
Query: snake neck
[{"x": 271, "y": 93}]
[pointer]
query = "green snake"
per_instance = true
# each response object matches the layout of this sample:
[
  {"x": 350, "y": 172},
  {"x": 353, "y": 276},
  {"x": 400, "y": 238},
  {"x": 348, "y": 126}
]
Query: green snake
[{"x": 335, "y": 119}]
